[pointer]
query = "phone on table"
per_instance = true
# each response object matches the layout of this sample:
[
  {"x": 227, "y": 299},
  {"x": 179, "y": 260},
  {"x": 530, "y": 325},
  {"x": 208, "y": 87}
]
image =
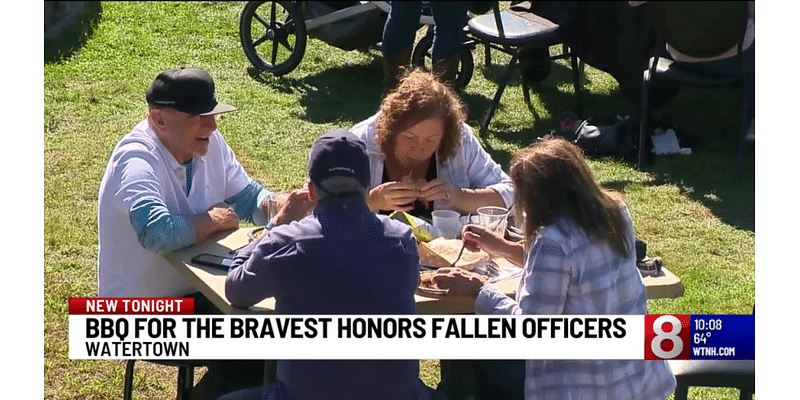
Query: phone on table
[{"x": 210, "y": 260}]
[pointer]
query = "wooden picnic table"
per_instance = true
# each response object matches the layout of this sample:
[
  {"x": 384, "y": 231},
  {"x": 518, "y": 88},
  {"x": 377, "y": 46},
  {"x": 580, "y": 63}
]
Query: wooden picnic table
[{"x": 211, "y": 281}]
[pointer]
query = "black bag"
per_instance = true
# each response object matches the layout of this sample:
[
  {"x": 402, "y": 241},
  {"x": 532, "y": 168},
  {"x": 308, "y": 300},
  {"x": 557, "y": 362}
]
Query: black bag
[{"x": 605, "y": 136}]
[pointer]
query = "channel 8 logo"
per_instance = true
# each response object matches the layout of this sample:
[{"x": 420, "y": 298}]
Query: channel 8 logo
[{"x": 666, "y": 337}]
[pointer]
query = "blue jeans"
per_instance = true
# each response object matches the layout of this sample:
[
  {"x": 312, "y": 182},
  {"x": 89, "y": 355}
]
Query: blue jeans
[{"x": 403, "y": 22}]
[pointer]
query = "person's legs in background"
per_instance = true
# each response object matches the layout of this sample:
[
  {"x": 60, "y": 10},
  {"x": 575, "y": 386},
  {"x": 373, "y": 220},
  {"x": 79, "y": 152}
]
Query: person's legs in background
[
  {"x": 449, "y": 18},
  {"x": 398, "y": 41}
]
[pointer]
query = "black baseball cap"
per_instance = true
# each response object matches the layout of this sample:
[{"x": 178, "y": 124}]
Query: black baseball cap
[
  {"x": 186, "y": 89},
  {"x": 338, "y": 153}
]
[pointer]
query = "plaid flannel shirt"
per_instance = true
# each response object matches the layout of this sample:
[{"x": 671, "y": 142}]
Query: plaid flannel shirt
[{"x": 566, "y": 273}]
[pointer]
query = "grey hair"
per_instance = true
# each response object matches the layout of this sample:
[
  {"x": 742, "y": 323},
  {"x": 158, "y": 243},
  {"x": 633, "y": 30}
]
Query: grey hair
[{"x": 339, "y": 187}]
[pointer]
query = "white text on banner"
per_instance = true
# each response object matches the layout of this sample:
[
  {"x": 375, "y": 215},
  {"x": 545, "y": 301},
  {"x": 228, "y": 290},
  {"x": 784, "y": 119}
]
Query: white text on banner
[{"x": 382, "y": 337}]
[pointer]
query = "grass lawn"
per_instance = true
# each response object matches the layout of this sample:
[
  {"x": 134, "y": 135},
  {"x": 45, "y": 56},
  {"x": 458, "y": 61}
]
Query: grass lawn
[{"x": 690, "y": 210}]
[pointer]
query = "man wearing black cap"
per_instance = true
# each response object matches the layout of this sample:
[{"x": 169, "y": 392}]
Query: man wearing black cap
[
  {"x": 171, "y": 182},
  {"x": 342, "y": 259}
]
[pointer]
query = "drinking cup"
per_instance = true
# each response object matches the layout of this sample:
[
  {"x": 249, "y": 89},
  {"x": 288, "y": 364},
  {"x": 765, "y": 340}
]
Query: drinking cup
[
  {"x": 274, "y": 199},
  {"x": 446, "y": 223},
  {"x": 493, "y": 217}
]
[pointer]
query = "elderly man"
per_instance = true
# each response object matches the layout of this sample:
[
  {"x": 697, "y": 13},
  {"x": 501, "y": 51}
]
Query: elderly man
[
  {"x": 172, "y": 182},
  {"x": 343, "y": 259}
]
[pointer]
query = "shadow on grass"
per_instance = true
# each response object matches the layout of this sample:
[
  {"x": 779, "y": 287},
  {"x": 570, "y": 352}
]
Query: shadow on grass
[
  {"x": 547, "y": 95},
  {"x": 347, "y": 93},
  {"x": 709, "y": 179},
  {"x": 350, "y": 93}
]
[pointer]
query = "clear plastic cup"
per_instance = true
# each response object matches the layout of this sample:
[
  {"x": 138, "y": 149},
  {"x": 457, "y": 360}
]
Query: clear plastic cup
[
  {"x": 492, "y": 217},
  {"x": 275, "y": 199}
]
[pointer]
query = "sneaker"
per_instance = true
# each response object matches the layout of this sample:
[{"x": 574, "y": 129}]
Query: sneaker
[{"x": 650, "y": 266}]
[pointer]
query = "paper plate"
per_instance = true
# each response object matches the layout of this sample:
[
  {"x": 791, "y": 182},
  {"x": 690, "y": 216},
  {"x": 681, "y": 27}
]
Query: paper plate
[
  {"x": 432, "y": 291},
  {"x": 427, "y": 290}
]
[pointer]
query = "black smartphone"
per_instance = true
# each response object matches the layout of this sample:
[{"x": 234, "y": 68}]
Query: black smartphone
[{"x": 210, "y": 260}]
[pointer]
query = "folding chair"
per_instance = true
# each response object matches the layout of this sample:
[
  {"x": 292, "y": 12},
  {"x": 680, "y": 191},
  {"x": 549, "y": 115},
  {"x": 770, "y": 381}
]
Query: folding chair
[
  {"x": 515, "y": 32},
  {"x": 697, "y": 29},
  {"x": 739, "y": 374}
]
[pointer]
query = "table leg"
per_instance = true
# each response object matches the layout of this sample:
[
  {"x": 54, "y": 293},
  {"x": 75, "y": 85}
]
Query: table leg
[{"x": 270, "y": 371}]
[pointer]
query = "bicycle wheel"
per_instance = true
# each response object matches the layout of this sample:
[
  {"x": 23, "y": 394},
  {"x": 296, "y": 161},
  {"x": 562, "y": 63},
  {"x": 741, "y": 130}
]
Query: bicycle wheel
[
  {"x": 280, "y": 35},
  {"x": 423, "y": 58}
]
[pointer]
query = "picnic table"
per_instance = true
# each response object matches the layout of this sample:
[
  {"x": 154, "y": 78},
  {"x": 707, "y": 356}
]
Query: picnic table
[{"x": 211, "y": 281}]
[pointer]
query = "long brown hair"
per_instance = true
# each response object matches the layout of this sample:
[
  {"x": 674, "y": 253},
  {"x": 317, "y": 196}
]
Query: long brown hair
[
  {"x": 420, "y": 96},
  {"x": 553, "y": 180}
]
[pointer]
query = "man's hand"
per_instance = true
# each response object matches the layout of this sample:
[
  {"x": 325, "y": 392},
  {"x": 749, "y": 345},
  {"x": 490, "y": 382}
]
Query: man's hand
[
  {"x": 293, "y": 207},
  {"x": 217, "y": 218}
]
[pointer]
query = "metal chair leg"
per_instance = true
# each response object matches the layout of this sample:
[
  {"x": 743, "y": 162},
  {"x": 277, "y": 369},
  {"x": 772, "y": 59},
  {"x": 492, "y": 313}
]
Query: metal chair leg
[
  {"x": 184, "y": 387},
  {"x": 681, "y": 392},
  {"x": 185, "y": 382},
  {"x": 576, "y": 81},
  {"x": 498, "y": 94},
  {"x": 644, "y": 113},
  {"x": 526, "y": 96},
  {"x": 742, "y": 129},
  {"x": 127, "y": 388}
]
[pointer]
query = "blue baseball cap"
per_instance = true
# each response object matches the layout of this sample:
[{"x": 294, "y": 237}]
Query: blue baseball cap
[{"x": 338, "y": 153}]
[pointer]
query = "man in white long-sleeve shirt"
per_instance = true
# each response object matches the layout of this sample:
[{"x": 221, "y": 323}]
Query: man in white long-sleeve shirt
[{"x": 172, "y": 182}]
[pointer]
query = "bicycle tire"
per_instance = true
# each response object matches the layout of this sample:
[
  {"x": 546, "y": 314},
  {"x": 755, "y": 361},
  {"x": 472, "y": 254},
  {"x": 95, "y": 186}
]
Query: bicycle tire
[
  {"x": 277, "y": 33},
  {"x": 421, "y": 57}
]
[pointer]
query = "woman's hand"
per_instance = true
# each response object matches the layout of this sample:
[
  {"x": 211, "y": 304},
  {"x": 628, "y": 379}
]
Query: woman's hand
[
  {"x": 460, "y": 282},
  {"x": 392, "y": 196},
  {"x": 478, "y": 238},
  {"x": 439, "y": 189}
]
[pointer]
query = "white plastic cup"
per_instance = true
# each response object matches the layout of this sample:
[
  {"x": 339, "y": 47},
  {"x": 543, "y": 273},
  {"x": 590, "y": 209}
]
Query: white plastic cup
[
  {"x": 446, "y": 223},
  {"x": 493, "y": 217}
]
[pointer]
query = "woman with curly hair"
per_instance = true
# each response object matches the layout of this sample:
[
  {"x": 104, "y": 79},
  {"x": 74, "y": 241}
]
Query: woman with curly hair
[
  {"x": 578, "y": 258},
  {"x": 423, "y": 156}
]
